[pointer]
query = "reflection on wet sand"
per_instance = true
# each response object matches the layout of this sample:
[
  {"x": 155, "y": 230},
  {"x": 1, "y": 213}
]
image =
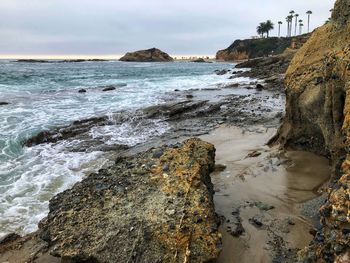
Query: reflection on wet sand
[{"x": 260, "y": 195}]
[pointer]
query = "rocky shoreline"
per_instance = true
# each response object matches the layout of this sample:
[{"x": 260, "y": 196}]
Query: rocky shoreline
[
  {"x": 194, "y": 113},
  {"x": 165, "y": 190}
]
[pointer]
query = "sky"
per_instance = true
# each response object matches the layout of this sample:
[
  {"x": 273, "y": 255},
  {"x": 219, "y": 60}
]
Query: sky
[{"x": 110, "y": 28}]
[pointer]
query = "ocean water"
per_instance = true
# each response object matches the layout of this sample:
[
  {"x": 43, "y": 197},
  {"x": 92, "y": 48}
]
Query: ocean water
[{"x": 45, "y": 95}]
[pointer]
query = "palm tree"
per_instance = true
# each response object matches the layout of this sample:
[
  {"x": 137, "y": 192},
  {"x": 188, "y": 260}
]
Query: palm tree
[
  {"x": 296, "y": 23},
  {"x": 289, "y": 20},
  {"x": 261, "y": 29},
  {"x": 292, "y": 12},
  {"x": 268, "y": 25},
  {"x": 300, "y": 23},
  {"x": 308, "y": 20},
  {"x": 279, "y": 28},
  {"x": 301, "y": 28}
]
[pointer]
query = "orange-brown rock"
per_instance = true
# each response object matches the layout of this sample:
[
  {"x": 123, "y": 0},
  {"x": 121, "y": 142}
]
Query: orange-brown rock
[
  {"x": 156, "y": 206},
  {"x": 318, "y": 119}
]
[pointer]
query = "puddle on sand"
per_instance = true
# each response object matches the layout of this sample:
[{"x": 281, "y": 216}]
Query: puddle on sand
[{"x": 263, "y": 195}]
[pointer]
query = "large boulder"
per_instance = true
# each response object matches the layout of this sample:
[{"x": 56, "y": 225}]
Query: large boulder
[
  {"x": 156, "y": 206},
  {"x": 149, "y": 55},
  {"x": 318, "y": 119}
]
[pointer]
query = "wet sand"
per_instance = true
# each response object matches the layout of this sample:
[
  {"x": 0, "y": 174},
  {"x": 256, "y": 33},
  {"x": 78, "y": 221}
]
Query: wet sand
[{"x": 262, "y": 195}]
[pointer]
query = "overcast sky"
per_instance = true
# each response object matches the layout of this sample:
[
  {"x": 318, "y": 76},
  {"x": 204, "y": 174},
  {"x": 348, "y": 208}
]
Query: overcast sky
[{"x": 113, "y": 27}]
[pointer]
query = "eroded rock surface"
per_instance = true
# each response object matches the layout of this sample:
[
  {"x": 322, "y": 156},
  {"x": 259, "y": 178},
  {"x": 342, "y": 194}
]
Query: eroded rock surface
[
  {"x": 318, "y": 119},
  {"x": 149, "y": 55},
  {"x": 156, "y": 206}
]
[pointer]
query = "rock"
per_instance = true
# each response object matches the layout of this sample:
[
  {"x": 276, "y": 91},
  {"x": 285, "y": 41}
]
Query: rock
[
  {"x": 109, "y": 88},
  {"x": 82, "y": 91},
  {"x": 149, "y": 55},
  {"x": 117, "y": 216},
  {"x": 189, "y": 96},
  {"x": 318, "y": 120},
  {"x": 238, "y": 230},
  {"x": 221, "y": 72},
  {"x": 201, "y": 60},
  {"x": 9, "y": 238},
  {"x": 253, "y": 154},
  {"x": 259, "y": 87},
  {"x": 256, "y": 221},
  {"x": 263, "y": 207},
  {"x": 2, "y": 103},
  {"x": 33, "y": 61}
]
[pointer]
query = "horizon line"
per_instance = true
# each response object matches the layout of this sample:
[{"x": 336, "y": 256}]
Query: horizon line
[{"x": 85, "y": 56}]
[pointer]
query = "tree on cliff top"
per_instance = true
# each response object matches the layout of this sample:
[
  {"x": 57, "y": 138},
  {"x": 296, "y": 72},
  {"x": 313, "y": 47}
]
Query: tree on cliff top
[{"x": 265, "y": 27}]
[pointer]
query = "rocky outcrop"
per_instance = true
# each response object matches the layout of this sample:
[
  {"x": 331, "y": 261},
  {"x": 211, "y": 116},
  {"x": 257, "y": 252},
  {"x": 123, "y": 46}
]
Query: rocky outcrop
[
  {"x": 318, "y": 119},
  {"x": 156, "y": 206},
  {"x": 254, "y": 48},
  {"x": 149, "y": 55},
  {"x": 270, "y": 69}
]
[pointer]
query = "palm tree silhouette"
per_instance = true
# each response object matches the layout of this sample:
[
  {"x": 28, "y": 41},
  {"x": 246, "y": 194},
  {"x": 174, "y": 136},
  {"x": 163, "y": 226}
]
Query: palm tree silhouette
[
  {"x": 292, "y": 12},
  {"x": 296, "y": 23},
  {"x": 261, "y": 29},
  {"x": 301, "y": 27},
  {"x": 308, "y": 20},
  {"x": 268, "y": 25},
  {"x": 279, "y": 28},
  {"x": 289, "y": 20}
]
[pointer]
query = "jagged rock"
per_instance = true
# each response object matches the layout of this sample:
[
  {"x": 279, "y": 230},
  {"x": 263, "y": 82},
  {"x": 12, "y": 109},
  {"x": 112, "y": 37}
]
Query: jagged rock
[
  {"x": 318, "y": 119},
  {"x": 221, "y": 72},
  {"x": 109, "y": 88},
  {"x": 149, "y": 55},
  {"x": 136, "y": 211}
]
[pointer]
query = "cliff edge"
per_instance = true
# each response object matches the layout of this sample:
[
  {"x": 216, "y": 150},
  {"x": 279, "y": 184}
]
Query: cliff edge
[
  {"x": 318, "y": 119},
  {"x": 262, "y": 47}
]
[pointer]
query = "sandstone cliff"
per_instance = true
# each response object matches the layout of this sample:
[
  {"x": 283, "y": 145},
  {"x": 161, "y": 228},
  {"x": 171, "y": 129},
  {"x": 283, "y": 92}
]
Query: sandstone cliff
[
  {"x": 253, "y": 48},
  {"x": 149, "y": 55},
  {"x": 318, "y": 119}
]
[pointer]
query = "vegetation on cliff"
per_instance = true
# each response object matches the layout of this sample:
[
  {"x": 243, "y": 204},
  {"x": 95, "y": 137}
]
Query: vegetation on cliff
[{"x": 254, "y": 48}]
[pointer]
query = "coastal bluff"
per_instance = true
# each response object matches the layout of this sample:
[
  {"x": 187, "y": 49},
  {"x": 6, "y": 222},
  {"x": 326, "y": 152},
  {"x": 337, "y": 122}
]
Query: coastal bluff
[
  {"x": 318, "y": 119},
  {"x": 155, "y": 206},
  {"x": 148, "y": 55},
  {"x": 262, "y": 47}
]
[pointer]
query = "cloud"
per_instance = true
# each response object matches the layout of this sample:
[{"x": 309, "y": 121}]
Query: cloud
[{"x": 114, "y": 27}]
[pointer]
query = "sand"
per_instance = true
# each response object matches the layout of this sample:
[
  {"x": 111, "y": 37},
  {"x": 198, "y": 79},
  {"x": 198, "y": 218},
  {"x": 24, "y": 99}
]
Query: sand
[{"x": 264, "y": 195}]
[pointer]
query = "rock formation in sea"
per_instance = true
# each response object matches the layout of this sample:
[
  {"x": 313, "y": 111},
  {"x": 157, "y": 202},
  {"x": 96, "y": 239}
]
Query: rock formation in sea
[
  {"x": 318, "y": 119},
  {"x": 253, "y": 48},
  {"x": 149, "y": 55}
]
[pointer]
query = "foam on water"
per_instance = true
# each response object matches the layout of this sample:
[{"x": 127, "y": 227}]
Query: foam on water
[{"x": 44, "y": 96}]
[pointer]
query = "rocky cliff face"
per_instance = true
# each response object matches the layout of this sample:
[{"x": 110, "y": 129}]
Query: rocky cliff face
[
  {"x": 318, "y": 119},
  {"x": 156, "y": 206},
  {"x": 253, "y": 48},
  {"x": 149, "y": 55}
]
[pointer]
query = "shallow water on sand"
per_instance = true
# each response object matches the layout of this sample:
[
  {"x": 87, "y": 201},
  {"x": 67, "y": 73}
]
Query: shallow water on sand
[{"x": 283, "y": 181}]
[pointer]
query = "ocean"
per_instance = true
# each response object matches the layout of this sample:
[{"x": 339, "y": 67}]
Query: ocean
[{"x": 43, "y": 96}]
